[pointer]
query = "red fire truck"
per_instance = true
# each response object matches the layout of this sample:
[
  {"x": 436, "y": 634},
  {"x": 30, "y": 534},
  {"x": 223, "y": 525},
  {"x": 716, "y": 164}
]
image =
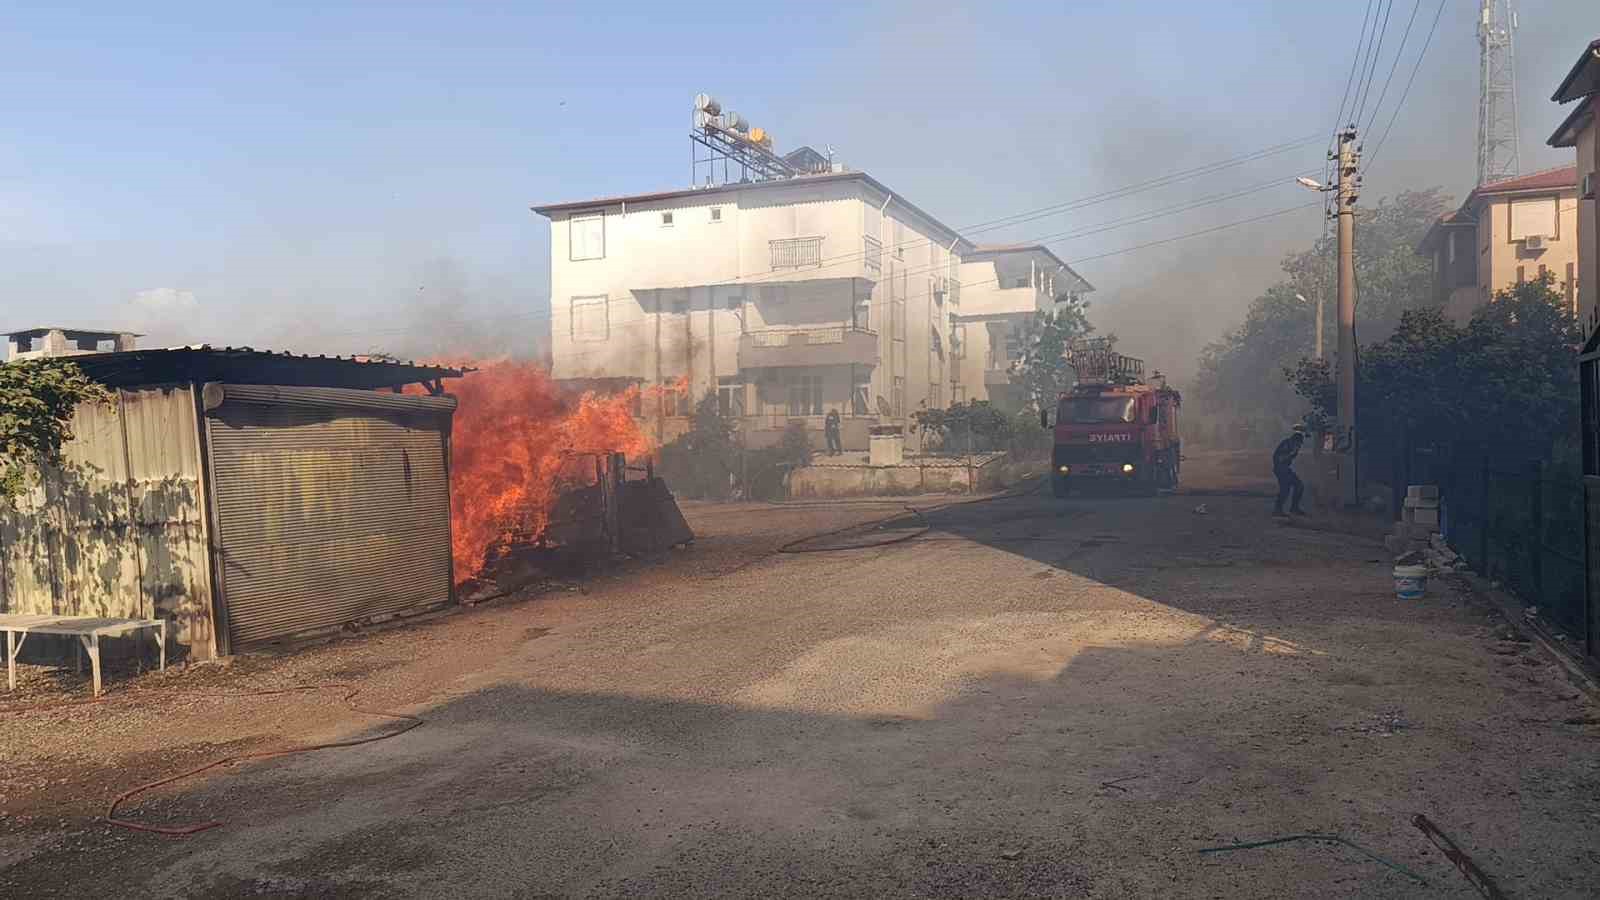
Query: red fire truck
[{"x": 1114, "y": 428}]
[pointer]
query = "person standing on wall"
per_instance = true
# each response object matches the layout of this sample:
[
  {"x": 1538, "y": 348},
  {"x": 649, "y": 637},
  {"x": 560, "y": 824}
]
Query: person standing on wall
[
  {"x": 830, "y": 431},
  {"x": 1289, "y": 485}
]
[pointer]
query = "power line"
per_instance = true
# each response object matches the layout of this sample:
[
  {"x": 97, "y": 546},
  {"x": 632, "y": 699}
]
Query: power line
[
  {"x": 1415, "y": 6},
  {"x": 1372, "y": 157},
  {"x": 1338, "y": 119},
  {"x": 1376, "y": 49},
  {"x": 538, "y": 316},
  {"x": 1071, "y": 205}
]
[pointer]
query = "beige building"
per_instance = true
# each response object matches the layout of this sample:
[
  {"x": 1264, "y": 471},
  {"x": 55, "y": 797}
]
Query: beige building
[
  {"x": 786, "y": 299},
  {"x": 1580, "y": 132},
  {"x": 1505, "y": 233},
  {"x": 1003, "y": 289},
  {"x": 39, "y": 343}
]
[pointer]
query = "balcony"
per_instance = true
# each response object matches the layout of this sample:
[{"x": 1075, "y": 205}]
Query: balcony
[
  {"x": 872, "y": 255},
  {"x": 997, "y": 369},
  {"x": 796, "y": 253},
  {"x": 823, "y": 345}
]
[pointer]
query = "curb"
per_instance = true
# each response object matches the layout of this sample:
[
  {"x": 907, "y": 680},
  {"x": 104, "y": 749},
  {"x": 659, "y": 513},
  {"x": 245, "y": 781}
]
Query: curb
[{"x": 1582, "y": 673}]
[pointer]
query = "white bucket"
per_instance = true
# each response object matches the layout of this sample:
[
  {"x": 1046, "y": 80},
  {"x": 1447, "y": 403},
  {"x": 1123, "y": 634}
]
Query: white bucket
[{"x": 1410, "y": 582}]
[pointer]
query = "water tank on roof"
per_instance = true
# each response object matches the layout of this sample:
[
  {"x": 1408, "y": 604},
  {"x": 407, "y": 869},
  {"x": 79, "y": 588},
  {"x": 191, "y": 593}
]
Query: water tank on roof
[
  {"x": 703, "y": 118},
  {"x": 761, "y": 137},
  {"x": 734, "y": 122},
  {"x": 707, "y": 104}
]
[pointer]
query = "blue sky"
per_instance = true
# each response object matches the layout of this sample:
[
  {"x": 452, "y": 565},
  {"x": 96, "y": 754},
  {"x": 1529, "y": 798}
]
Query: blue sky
[{"x": 339, "y": 178}]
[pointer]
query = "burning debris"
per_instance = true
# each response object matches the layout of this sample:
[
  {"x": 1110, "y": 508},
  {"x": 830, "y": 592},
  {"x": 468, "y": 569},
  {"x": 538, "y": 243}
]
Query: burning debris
[{"x": 518, "y": 445}]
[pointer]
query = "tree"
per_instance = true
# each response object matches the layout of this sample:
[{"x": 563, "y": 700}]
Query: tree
[
  {"x": 1507, "y": 381},
  {"x": 987, "y": 427},
  {"x": 1236, "y": 376},
  {"x": 1043, "y": 370},
  {"x": 37, "y": 400}
]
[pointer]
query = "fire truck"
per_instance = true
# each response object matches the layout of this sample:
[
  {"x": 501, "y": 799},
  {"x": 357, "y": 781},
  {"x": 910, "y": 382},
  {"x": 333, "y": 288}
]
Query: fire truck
[{"x": 1114, "y": 428}]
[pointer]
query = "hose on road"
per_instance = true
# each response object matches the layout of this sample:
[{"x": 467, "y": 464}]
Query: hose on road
[
  {"x": 110, "y": 816},
  {"x": 1331, "y": 838}
]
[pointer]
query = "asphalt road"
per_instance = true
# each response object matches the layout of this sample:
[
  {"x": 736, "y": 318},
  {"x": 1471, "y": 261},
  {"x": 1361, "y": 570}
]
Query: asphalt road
[{"x": 1031, "y": 698}]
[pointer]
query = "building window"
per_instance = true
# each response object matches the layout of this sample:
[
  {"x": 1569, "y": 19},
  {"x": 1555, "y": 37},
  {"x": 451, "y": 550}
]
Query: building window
[
  {"x": 716, "y": 214},
  {"x": 805, "y": 395},
  {"x": 1522, "y": 274},
  {"x": 587, "y": 237},
  {"x": 1020, "y": 282},
  {"x": 734, "y": 303},
  {"x": 666, "y": 220},
  {"x": 730, "y": 396},
  {"x": 680, "y": 307},
  {"x": 590, "y": 319},
  {"x": 1535, "y": 217},
  {"x": 897, "y": 396}
]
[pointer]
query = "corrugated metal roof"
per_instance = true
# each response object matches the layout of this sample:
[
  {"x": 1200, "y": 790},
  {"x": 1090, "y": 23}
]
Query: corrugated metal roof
[{"x": 245, "y": 365}]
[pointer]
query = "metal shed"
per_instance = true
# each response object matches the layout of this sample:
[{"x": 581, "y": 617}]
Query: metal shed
[{"x": 246, "y": 496}]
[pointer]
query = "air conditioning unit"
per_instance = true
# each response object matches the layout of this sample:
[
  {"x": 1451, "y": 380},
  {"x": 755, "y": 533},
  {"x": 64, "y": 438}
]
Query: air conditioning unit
[
  {"x": 1533, "y": 242},
  {"x": 1587, "y": 192}
]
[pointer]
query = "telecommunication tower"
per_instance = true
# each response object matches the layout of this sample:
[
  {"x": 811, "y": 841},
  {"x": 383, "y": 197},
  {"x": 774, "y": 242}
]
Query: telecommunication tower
[{"x": 1498, "y": 158}]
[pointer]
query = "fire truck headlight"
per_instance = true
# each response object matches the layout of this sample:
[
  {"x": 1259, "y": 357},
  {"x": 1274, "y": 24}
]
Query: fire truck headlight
[
  {"x": 1127, "y": 468},
  {"x": 1065, "y": 470}
]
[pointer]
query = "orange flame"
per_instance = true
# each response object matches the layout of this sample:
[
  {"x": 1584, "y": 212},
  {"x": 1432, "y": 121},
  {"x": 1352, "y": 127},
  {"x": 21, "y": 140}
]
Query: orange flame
[{"x": 515, "y": 440}]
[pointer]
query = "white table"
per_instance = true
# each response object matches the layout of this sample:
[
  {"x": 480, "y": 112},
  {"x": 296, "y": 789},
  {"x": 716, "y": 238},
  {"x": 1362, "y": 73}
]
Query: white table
[{"x": 87, "y": 629}]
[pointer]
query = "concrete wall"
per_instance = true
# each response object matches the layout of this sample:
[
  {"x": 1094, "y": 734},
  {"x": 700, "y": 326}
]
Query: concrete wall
[
  {"x": 119, "y": 530},
  {"x": 1589, "y": 223},
  {"x": 878, "y": 481}
]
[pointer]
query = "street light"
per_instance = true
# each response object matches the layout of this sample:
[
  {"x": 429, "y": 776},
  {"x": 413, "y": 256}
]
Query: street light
[{"x": 1312, "y": 184}]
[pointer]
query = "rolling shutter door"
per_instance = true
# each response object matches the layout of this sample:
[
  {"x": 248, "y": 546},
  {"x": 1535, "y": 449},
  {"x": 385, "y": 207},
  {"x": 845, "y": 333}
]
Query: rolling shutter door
[{"x": 332, "y": 506}]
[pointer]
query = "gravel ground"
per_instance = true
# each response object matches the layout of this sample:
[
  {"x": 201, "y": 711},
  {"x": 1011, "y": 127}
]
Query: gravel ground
[{"x": 1031, "y": 698}]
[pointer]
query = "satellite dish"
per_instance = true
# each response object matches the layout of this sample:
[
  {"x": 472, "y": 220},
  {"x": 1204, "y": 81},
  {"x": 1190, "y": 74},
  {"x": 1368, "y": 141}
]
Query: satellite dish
[{"x": 884, "y": 409}]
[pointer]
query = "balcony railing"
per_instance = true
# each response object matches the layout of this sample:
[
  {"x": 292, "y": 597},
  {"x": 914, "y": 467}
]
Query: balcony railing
[
  {"x": 819, "y": 345},
  {"x": 872, "y": 254},
  {"x": 809, "y": 337},
  {"x": 796, "y": 253}
]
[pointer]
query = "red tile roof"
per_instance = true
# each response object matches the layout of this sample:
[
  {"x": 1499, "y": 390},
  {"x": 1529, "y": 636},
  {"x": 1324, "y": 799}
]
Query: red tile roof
[{"x": 1547, "y": 180}]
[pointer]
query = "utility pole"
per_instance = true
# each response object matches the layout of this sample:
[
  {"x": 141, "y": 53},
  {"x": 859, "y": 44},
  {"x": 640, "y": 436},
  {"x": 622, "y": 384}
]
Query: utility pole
[
  {"x": 1345, "y": 441},
  {"x": 1321, "y": 302}
]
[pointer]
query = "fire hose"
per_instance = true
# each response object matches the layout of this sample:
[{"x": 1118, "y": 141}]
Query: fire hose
[{"x": 110, "y": 816}]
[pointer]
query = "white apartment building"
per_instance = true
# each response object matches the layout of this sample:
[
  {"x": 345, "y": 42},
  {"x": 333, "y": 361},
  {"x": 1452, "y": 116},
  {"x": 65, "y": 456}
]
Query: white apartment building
[
  {"x": 787, "y": 299},
  {"x": 1004, "y": 287}
]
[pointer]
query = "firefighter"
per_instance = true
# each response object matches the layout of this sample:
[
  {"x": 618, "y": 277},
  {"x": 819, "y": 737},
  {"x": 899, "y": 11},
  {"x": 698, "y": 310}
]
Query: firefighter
[
  {"x": 1289, "y": 485},
  {"x": 830, "y": 431}
]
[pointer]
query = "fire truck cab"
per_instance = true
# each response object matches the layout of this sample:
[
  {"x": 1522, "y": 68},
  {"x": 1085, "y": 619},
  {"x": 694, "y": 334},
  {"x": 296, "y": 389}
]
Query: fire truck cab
[{"x": 1113, "y": 428}]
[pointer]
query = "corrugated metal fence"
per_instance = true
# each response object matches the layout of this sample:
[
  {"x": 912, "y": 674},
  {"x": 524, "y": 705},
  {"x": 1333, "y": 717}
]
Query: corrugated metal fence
[{"x": 119, "y": 530}]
